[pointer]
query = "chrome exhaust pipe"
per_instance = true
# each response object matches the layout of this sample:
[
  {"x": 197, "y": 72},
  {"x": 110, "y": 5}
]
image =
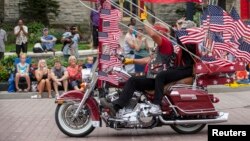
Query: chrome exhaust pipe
[{"x": 223, "y": 117}]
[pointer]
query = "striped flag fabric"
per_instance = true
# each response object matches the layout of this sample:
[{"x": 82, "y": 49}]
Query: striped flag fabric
[
  {"x": 106, "y": 37},
  {"x": 110, "y": 26},
  {"x": 110, "y": 60},
  {"x": 109, "y": 48},
  {"x": 108, "y": 77},
  {"x": 216, "y": 62},
  {"x": 191, "y": 35},
  {"x": 205, "y": 19},
  {"x": 219, "y": 20},
  {"x": 110, "y": 14},
  {"x": 121, "y": 76},
  {"x": 241, "y": 51},
  {"x": 240, "y": 27}
]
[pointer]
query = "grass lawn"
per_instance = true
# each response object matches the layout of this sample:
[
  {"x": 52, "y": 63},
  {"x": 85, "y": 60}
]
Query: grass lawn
[{"x": 12, "y": 47}]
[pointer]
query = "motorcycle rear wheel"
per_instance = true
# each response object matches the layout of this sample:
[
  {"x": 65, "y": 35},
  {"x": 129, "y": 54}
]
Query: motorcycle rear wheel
[
  {"x": 188, "y": 129},
  {"x": 79, "y": 127}
]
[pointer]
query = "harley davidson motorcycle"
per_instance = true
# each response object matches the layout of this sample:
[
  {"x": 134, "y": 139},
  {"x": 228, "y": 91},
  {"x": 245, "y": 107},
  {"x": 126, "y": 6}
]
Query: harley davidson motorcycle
[{"x": 185, "y": 108}]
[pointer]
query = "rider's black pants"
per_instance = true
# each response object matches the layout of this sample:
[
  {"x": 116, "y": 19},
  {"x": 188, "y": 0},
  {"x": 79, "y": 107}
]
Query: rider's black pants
[{"x": 141, "y": 83}]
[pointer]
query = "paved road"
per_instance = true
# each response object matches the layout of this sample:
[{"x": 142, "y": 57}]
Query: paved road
[{"x": 33, "y": 120}]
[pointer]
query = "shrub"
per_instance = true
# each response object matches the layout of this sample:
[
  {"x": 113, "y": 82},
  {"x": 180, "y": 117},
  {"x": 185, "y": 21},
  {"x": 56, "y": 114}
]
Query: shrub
[
  {"x": 56, "y": 33},
  {"x": 6, "y": 68},
  {"x": 35, "y": 31},
  {"x": 8, "y": 27}
]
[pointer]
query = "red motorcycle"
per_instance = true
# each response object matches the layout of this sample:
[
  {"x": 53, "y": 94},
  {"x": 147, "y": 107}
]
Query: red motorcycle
[{"x": 185, "y": 108}]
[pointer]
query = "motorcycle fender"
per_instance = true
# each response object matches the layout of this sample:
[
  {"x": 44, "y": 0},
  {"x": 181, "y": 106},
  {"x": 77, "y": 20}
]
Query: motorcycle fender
[{"x": 91, "y": 103}]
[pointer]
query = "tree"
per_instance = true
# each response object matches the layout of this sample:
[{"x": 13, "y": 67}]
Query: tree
[{"x": 39, "y": 10}]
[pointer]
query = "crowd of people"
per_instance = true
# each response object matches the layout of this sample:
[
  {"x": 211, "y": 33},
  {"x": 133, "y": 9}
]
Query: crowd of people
[
  {"x": 70, "y": 39},
  {"x": 56, "y": 78}
]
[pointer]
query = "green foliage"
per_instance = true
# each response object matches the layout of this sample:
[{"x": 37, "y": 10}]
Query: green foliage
[
  {"x": 39, "y": 10},
  {"x": 55, "y": 33},
  {"x": 8, "y": 27},
  {"x": 35, "y": 31},
  {"x": 6, "y": 67}
]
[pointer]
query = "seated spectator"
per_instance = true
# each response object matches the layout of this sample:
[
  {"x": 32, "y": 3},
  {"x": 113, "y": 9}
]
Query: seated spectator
[
  {"x": 74, "y": 71},
  {"x": 59, "y": 76},
  {"x": 90, "y": 61},
  {"x": 43, "y": 77},
  {"x": 48, "y": 41},
  {"x": 22, "y": 72}
]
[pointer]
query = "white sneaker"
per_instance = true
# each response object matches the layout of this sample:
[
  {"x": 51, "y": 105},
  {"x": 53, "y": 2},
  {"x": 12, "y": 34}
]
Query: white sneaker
[
  {"x": 57, "y": 95},
  {"x": 155, "y": 109},
  {"x": 36, "y": 96}
]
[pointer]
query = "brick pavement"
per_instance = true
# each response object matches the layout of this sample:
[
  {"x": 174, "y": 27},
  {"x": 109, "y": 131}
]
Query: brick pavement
[{"x": 33, "y": 120}]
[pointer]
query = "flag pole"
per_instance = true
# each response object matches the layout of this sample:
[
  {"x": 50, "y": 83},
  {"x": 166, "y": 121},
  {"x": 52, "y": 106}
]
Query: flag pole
[{"x": 233, "y": 4}]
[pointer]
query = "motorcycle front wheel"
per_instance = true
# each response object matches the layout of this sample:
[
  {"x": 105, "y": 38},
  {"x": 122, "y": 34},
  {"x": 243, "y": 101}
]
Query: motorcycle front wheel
[
  {"x": 74, "y": 127},
  {"x": 188, "y": 128}
]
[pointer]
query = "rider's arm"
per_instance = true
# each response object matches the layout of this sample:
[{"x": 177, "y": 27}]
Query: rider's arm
[
  {"x": 142, "y": 61},
  {"x": 156, "y": 37}
]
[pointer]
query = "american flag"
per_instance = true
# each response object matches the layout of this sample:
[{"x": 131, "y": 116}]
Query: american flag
[
  {"x": 110, "y": 60},
  {"x": 205, "y": 19},
  {"x": 191, "y": 35},
  {"x": 106, "y": 37},
  {"x": 219, "y": 20},
  {"x": 110, "y": 26},
  {"x": 240, "y": 28},
  {"x": 108, "y": 48},
  {"x": 108, "y": 77},
  {"x": 244, "y": 46},
  {"x": 121, "y": 76},
  {"x": 216, "y": 62},
  {"x": 230, "y": 47},
  {"x": 110, "y": 15}
]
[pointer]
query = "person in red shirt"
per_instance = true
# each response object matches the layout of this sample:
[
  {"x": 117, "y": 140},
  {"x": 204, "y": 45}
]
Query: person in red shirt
[
  {"x": 74, "y": 73},
  {"x": 141, "y": 83}
]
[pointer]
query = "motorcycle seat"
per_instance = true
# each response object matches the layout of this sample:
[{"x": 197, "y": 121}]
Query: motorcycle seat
[{"x": 187, "y": 81}]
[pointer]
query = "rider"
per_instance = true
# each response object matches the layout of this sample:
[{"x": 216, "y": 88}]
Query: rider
[{"x": 164, "y": 55}]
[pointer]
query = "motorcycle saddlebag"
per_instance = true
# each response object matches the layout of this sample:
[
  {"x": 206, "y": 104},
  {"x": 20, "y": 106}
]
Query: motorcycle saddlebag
[{"x": 192, "y": 102}]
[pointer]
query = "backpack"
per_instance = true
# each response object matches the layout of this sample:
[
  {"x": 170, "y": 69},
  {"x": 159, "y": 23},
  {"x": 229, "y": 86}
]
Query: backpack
[{"x": 38, "y": 48}]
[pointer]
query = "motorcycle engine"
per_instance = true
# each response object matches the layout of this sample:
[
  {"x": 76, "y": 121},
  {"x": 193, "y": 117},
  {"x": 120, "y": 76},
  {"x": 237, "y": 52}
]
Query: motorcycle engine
[
  {"x": 137, "y": 117},
  {"x": 135, "y": 114}
]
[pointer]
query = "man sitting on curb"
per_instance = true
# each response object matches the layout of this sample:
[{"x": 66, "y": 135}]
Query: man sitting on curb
[{"x": 59, "y": 77}]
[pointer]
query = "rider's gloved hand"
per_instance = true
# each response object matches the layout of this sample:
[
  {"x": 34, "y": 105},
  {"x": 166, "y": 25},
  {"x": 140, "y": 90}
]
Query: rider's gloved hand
[{"x": 127, "y": 61}]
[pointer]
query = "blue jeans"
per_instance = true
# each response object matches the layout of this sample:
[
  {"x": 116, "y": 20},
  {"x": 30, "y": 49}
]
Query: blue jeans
[
  {"x": 48, "y": 46},
  {"x": 139, "y": 68}
]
